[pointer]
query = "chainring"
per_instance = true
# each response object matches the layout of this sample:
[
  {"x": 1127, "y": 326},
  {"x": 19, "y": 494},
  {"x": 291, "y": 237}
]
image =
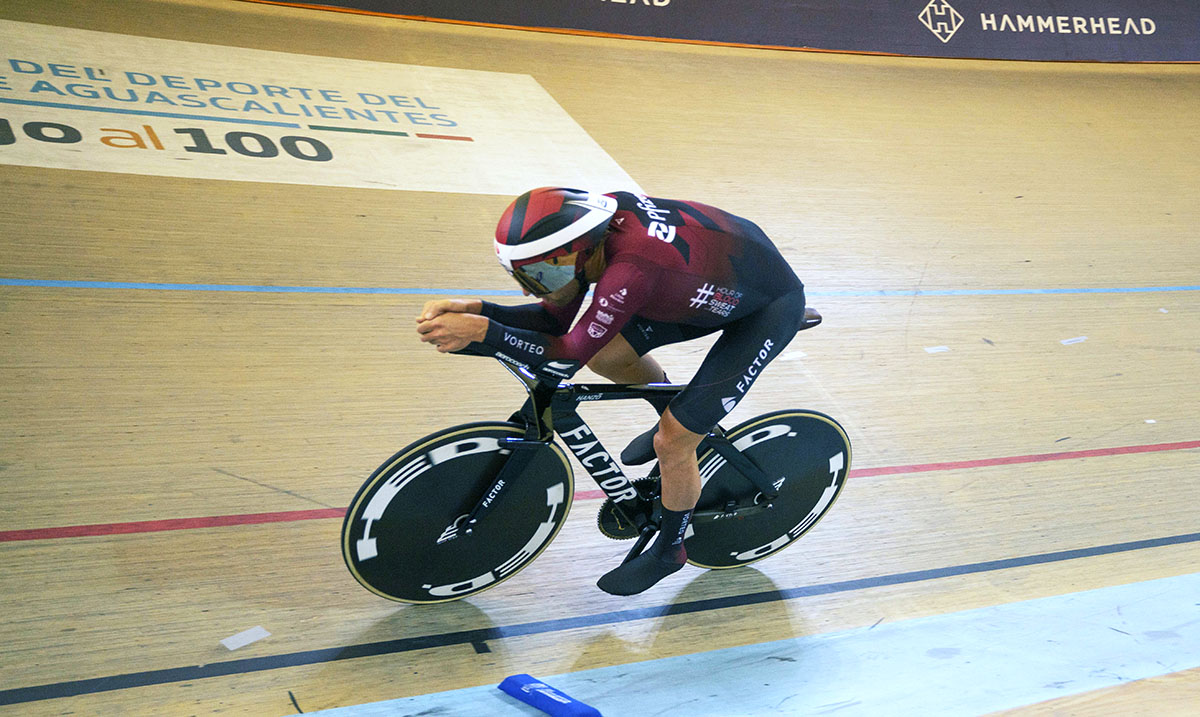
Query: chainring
[{"x": 614, "y": 525}]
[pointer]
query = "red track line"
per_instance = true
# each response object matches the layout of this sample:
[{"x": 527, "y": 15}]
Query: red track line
[
  {"x": 1035, "y": 458},
  {"x": 155, "y": 526},
  {"x": 218, "y": 521},
  {"x": 985, "y": 462}
]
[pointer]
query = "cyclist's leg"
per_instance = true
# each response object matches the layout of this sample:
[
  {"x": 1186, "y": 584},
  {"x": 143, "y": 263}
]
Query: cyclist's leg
[
  {"x": 640, "y": 336},
  {"x": 736, "y": 361},
  {"x": 730, "y": 367},
  {"x": 620, "y": 363},
  {"x": 676, "y": 449}
]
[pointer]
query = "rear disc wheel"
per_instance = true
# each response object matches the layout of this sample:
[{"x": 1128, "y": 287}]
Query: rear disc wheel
[{"x": 805, "y": 453}]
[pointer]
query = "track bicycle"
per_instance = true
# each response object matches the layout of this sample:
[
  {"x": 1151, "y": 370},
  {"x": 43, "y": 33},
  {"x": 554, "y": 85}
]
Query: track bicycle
[{"x": 466, "y": 508}]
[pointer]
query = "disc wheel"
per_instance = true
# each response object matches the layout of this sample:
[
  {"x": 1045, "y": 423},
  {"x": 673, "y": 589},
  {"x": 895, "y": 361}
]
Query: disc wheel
[
  {"x": 806, "y": 454},
  {"x": 404, "y": 536}
]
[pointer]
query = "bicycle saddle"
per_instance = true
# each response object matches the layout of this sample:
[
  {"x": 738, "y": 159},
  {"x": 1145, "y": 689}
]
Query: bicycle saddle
[{"x": 812, "y": 317}]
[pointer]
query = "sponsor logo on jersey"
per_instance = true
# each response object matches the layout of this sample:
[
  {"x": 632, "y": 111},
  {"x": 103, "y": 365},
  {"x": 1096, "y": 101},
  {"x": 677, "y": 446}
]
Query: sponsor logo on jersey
[
  {"x": 661, "y": 232},
  {"x": 521, "y": 344},
  {"x": 647, "y": 205},
  {"x": 596, "y": 331},
  {"x": 612, "y": 302},
  {"x": 659, "y": 227},
  {"x": 715, "y": 299},
  {"x": 605, "y": 318}
]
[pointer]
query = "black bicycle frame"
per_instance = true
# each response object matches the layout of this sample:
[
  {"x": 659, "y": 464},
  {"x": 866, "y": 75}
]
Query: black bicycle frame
[{"x": 552, "y": 408}]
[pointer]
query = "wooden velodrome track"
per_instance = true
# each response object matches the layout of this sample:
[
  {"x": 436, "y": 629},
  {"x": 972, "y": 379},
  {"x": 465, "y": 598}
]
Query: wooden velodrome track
[{"x": 133, "y": 409}]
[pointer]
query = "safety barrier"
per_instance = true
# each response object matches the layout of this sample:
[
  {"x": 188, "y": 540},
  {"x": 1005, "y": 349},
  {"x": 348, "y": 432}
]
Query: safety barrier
[{"x": 1048, "y": 30}]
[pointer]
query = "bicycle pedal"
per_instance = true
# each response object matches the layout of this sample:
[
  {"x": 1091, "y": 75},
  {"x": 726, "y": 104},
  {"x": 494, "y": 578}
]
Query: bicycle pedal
[{"x": 613, "y": 523}]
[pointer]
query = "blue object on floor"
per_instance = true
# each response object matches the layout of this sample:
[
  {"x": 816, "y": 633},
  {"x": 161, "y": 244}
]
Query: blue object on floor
[{"x": 536, "y": 693}]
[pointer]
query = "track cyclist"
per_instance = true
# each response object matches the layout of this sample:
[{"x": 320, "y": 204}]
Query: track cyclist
[{"x": 664, "y": 271}]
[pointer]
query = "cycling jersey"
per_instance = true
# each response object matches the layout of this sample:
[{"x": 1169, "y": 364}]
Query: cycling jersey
[{"x": 675, "y": 271}]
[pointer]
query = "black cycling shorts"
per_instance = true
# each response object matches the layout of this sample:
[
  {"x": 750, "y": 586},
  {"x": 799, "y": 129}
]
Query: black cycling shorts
[{"x": 732, "y": 365}]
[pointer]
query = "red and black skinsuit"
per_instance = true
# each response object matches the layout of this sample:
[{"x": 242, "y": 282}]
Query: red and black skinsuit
[{"x": 675, "y": 271}]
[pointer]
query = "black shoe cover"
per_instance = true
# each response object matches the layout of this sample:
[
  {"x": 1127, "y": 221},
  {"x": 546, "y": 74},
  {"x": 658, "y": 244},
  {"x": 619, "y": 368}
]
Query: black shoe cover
[
  {"x": 639, "y": 574},
  {"x": 641, "y": 449}
]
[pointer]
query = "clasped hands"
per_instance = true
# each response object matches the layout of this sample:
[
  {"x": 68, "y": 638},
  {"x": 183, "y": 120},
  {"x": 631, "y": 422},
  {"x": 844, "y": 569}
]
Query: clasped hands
[{"x": 450, "y": 324}]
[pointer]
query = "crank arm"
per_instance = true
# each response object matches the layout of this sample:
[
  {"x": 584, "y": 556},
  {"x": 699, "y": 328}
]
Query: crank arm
[
  {"x": 647, "y": 533},
  {"x": 729, "y": 513}
]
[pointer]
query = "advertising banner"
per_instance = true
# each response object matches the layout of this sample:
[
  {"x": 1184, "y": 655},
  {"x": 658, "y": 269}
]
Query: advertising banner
[
  {"x": 79, "y": 99},
  {"x": 1073, "y": 30}
]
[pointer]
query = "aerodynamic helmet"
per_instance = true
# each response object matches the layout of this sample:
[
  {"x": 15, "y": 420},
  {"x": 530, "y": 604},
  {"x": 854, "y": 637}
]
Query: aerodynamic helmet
[{"x": 546, "y": 235}]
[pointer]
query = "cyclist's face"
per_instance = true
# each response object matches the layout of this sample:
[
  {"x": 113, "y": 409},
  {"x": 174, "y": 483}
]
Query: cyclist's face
[{"x": 561, "y": 297}]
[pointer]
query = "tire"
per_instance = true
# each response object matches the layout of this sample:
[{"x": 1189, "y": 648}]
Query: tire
[
  {"x": 809, "y": 450},
  {"x": 397, "y": 536}
]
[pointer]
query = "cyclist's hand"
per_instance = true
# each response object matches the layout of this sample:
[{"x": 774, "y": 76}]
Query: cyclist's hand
[
  {"x": 436, "y": 308},
  {"x": 452, "y": 331}
]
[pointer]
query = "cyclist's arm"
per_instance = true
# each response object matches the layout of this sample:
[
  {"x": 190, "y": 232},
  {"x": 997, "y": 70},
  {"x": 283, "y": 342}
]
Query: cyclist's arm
[
  {"x": 534, "y": 317},
  {"x": 599, "y": 324}
]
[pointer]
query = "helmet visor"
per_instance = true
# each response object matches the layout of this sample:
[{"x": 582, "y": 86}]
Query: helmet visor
[{"x": 548, "y": 275}]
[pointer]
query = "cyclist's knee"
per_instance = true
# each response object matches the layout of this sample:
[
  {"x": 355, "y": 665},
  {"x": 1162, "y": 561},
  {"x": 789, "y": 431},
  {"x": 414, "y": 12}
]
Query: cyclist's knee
[
  {"x": 615, "y": 357},
  {"x": 673, "y": 442}
]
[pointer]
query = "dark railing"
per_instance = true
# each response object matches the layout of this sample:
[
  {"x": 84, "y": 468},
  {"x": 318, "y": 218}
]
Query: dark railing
[{"x": 1047, "y": 30}]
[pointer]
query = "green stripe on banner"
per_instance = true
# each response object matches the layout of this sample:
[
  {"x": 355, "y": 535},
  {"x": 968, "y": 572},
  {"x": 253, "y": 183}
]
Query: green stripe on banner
[{"x": 356, "y": 130}]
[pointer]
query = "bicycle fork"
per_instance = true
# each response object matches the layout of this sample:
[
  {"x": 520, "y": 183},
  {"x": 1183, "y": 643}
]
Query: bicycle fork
[{"x": 539, "y": 431}]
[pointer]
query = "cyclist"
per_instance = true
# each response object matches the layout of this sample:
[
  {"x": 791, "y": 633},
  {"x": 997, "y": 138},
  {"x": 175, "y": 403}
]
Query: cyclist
[{"x": 663, "y": 271}]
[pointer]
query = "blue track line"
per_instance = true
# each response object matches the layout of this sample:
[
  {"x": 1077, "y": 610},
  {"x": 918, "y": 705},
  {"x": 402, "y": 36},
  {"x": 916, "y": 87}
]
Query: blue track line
[
  {"x": 57, "y": 284},
  {"x": 415, "y": 291}
]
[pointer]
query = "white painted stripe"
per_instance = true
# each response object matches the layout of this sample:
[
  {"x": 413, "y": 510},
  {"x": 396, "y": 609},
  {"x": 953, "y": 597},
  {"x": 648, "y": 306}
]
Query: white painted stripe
[
  {"x": 965, "y": 663},
  {"x": 245, "y": 637}
]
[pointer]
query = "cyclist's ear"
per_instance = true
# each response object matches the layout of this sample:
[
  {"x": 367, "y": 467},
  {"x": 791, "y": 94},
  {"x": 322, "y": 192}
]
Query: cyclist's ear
[{"x": 595, "y": 264}]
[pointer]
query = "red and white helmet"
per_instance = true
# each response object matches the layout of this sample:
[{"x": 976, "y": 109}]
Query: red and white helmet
[{"x": 546, "y": 234}]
